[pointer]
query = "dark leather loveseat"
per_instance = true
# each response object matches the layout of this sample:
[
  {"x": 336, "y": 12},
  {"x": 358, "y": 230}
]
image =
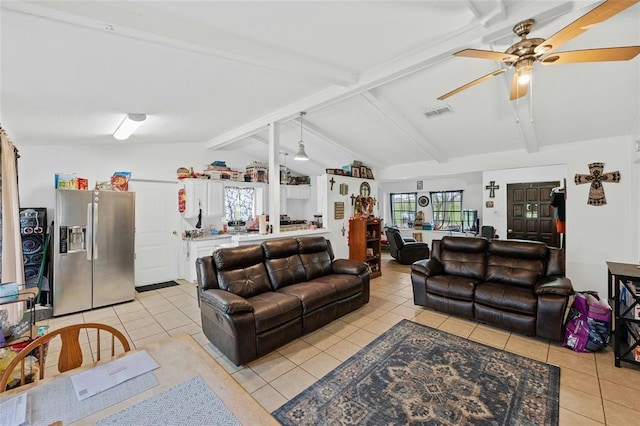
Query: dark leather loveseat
[
  {"x": 517, "y": 285},
  {"x": 256, "y": 298}
]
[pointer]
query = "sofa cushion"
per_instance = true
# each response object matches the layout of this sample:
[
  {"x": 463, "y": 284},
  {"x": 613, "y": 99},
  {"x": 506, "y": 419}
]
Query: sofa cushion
[
  {"x": 345, "y": 285},
  {"x": 241, "y": 270},
  {"x": 516, "y": 262},
  {"x": 452, "y": 286},
  {"x": 506, "y": 297},
  {"x": 313, "y": 295},
  {"x": 464, "y": 257},
  {"x": 272, "y": 309},
  {"x": 314, "y": 253},
  {"x": 283, "y": 262}
]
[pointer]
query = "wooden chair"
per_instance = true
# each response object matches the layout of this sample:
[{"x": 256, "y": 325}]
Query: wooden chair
[{"x": 70, "y": 351}]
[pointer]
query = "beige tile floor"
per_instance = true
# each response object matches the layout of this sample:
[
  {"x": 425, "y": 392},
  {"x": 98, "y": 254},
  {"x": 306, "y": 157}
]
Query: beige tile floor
[{"x": 592, "y": 390}]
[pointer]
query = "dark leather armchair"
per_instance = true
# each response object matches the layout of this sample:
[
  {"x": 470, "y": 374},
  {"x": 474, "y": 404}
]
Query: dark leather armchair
[{"x": 403, "y": 251}]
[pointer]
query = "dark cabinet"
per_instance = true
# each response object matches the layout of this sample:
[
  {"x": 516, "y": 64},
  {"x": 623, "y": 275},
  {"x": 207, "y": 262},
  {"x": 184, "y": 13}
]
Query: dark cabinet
[
  {"x": 364, "y": 243},
  {"x": 624, "y": 287}
]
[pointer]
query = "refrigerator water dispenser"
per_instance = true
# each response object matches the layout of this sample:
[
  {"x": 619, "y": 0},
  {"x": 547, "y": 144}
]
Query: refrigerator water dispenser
[{"x": 77, "y": 238}]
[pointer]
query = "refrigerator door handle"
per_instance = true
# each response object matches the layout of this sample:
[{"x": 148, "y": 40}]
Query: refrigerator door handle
[
  {"x": 89, "y": 236},
  {"x": 95, "y": 230}
]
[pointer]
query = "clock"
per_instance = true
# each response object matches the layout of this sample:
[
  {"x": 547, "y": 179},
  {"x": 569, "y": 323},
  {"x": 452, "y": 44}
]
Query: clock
[{"x": 423, "y": 201}]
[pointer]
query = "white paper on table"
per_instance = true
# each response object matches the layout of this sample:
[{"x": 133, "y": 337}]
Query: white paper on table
[
  {"x": 13, "y": 412},
  {"x": 108, "y": 375}
]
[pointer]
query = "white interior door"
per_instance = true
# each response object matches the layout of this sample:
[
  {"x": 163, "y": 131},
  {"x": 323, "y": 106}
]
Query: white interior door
[{"x": 156, "y": 231}]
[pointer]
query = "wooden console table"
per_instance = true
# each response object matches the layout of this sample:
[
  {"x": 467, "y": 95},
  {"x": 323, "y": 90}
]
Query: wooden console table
[{"x": 180, "y": 358}]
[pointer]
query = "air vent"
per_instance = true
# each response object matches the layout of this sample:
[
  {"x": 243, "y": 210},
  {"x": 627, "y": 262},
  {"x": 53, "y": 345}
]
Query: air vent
[{"x": 437, "y": 111}]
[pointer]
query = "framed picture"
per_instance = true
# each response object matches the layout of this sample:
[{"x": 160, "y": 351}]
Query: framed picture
[
  {"x": 330, "y": 171},
  {"x": 338, "y": 172},
  {"x": 488, "y": 204},
  {"x": 355, "y": 172},
  {"x": 363, "y": 172},
  {"x": 419, "y": 185},
  {"x": 369, "y": 173}
]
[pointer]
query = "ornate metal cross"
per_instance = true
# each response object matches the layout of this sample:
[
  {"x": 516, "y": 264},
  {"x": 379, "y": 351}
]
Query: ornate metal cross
[
  {"x": 492, "y": 188},
  {"x": 332, "y": 181},
  {"x": 595, "y": 178}
]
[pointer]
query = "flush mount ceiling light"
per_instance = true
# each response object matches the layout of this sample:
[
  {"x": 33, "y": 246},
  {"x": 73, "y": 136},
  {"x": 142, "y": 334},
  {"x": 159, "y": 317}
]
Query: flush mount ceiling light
[
  {"x": 301, "y": 155},
  {"x": 129, "y": 125}
]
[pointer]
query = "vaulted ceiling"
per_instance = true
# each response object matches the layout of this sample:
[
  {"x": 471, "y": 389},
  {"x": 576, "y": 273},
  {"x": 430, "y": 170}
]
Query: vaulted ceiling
[{"x": 366, "y": 72}]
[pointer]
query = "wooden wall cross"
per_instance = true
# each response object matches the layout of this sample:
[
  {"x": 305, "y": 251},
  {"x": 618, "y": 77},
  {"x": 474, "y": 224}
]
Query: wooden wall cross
[
  {"x": 492, "y": 188},
  {"x": 595, "y": 178},
  {"x": 332, "y": 181}
]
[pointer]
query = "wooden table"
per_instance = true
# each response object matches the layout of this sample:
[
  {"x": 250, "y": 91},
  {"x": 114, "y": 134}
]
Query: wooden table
[{"x": 181, "y": 358}]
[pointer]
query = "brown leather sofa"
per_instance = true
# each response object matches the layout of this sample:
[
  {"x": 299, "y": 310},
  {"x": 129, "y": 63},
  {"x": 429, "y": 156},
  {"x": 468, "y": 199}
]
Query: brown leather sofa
[
  {"x": 256, "y": 298},
  {"x": 517, "y": 285}
]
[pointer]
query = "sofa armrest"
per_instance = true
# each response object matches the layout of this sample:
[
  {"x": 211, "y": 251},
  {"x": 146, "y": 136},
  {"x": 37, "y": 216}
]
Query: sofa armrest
[
  {"x": 428, "y": 267},
  {"x": 225, "y": 301},
  {"x": 559, "y": 286},
  {"x": 348, "y": 266}
]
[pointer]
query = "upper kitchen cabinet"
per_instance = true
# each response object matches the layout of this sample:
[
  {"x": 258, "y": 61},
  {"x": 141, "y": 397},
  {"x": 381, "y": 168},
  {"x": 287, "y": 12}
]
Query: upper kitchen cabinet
[
  {"x": 203, "y": 195},
  {"x": 297, "y": 192},
  {"x": 196, "y": 197},
  {"x": 215, "y": 203}
]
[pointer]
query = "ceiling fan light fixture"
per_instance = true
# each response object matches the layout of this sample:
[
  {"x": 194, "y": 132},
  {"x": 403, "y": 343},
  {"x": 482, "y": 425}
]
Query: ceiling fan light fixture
[
  {"x": 301, "y": 155},
  {"x": 524, "y": 78}
]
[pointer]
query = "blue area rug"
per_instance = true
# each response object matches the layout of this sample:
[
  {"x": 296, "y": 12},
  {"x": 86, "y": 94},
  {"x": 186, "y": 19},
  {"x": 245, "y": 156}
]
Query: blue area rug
[
  {"x": 189, "y": 403},
  {"x": 413, "y": 374}
]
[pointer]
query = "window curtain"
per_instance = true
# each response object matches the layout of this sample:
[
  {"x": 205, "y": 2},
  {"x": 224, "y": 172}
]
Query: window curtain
[
  {"x": 238, "y": 203},
  {"x": 12, "y": 264}
]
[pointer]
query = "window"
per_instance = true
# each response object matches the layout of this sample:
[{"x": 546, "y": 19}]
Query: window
[
  {"x": 447, "y": 210},
  {"x": 403, "y": 209},
  {"x": 239, "y": 203}
]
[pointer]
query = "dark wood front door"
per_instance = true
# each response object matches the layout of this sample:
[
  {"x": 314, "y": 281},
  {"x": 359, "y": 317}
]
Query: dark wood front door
[{"x": 529, "y": 212}]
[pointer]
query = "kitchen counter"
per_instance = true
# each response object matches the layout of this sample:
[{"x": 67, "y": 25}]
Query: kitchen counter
[
  {"x": 207, "y": 237},
  {"x": 244, "y": 239}
]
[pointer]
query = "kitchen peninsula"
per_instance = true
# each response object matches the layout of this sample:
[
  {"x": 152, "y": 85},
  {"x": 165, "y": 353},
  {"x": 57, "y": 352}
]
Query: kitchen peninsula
[
  {"x": 253, "y": 238},
  {"x": 205, "y": 245}
]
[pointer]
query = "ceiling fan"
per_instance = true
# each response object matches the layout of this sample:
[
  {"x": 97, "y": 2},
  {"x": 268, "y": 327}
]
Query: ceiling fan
[{"x": 523, "y": 54}]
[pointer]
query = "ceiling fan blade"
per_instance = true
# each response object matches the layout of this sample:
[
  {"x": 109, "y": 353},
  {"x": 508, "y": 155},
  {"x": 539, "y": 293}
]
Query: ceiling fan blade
[
  {"x": 592, "y": 55},
  {"x": 487, "y": 54},
  {"x": 472, "y": 83},
  {"x": 599, "y": 14},
  {"x": 518, "y": 89}
]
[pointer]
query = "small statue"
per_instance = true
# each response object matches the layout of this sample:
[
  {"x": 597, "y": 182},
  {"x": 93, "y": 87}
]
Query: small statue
[{"x": 417, "y": 223}]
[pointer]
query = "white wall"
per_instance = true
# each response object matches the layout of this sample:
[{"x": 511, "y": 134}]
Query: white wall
[
  {"x": 469, "y": 183},
  {"x": 594, "y": 234},
  {"x": 497, "y": 216},
  {"x": 327, "y": 198}
]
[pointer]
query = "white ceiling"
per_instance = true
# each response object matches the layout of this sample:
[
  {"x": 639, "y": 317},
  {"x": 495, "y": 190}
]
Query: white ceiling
[{"x": 217, "y": 73}]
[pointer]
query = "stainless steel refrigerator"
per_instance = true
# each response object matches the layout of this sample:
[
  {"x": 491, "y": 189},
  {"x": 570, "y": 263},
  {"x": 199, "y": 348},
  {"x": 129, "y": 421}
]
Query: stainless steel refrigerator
[{"x": 93, "y": 249}]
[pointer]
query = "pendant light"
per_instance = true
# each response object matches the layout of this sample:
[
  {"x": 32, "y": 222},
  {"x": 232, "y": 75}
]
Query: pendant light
[{"x": 301, "y": 155}]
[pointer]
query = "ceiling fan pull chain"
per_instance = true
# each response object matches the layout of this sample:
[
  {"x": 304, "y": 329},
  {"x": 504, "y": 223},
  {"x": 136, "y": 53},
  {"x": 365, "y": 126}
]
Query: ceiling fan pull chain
[{"x": 531, "y": 99}]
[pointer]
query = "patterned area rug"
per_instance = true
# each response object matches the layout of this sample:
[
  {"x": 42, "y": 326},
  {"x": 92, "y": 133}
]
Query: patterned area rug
[{"x": 413, "y": 374}]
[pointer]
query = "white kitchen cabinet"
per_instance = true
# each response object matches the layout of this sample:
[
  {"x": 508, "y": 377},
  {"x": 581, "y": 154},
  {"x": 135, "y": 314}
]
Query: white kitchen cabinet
[
  {"x": 197, "y": 197},
  {"x": 215, "y": 205},
  {"x": 203, "y": 194},
  {"x": 193, "y": 249},
  {"x": 297, "y": 192}
]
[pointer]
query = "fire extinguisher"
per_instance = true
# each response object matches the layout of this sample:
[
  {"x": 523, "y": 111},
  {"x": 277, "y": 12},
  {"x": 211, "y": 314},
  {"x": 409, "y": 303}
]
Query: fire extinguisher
[{"x": 182, "y": 200}]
